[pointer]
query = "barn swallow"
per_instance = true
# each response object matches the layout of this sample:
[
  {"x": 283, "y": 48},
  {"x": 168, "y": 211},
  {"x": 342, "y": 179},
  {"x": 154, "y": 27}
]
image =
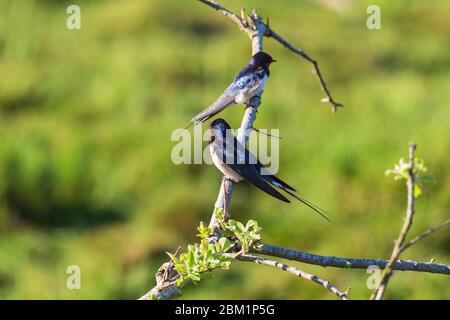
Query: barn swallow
[
  {"x": 237, "y": 163},
  {"x": 249, "y": 82}
]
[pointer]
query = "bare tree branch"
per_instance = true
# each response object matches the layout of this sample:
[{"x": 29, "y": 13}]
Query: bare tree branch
[
  {"x": 424, "y": 234},
  {"x": 166, "y": 292},
  {"x": 165, "y": 284},
  {"x": 299, "y": 273},
  {"x": 349, "y": 263},
  {"x": 379, "y": 292}
]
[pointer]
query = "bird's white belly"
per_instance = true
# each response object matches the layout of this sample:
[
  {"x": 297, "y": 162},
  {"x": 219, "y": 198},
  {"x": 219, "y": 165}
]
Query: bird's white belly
[
  {"x": 244, "y": 96},
  {"x": 216, "y": 156}
]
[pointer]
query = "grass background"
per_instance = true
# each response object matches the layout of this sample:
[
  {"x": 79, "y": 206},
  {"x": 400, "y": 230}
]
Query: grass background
[{"x": 86, "y": 118}]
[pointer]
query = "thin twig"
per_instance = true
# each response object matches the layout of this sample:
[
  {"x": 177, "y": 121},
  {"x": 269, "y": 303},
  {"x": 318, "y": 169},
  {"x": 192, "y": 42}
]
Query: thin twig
[
  {"x": 387, "y": 273},
  {"x": 303, "y": 54},
  {"x": 349, "y": 263},
  {"x": 243, "y": 25},
  {"x": 299, "y": 273},
  {"x": 424, "y": 234},
  {"x": 265, "y": 133}
]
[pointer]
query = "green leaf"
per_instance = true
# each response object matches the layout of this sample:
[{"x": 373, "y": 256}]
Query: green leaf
[
  {"x": 218, "y": 214},
  {"x": 257, "y": 245},
  {"x": 190, "y": 259},
  {"x": 180, "y": 268},
  {"x": 204, "y": 245},
  {"x": 210, "y": 252},
  {"x": 240, "y": 226},
  {"x": 179, "y": 282},
  {"x": 225, "y": 244},
  {"x": 251, "y": 224},
  {"x": 194, "y": 277},
  {"x": 240, "y": 238},
  {"x": 417, "y": 190},
  {"x": 203, "y": 230}
]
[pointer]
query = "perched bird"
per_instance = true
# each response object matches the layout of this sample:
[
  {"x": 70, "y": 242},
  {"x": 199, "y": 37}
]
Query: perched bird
[
  {"x": 249, "y": 82},
  {"x": 237, "y": 163}
]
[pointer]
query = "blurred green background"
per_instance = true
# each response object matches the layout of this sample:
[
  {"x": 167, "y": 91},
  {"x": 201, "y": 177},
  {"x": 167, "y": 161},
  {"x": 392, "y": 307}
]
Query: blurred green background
[{"x": 86, "y": 117}]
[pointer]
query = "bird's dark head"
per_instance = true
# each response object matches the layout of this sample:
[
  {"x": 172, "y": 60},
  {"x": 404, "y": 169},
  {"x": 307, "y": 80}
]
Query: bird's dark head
[
  {"x": 262, "y": 59},
  {"x": 219, "y": 124},
  {"x": 218, "y": 127}
]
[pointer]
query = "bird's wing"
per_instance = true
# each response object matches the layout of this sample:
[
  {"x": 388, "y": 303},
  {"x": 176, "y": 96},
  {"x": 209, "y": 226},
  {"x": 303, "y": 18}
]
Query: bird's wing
[
  {"x": 243, "y": 81},
  {"x": 248, "y": 172},
  {"x": 274, "y": 180},
  {"x": 239, "y": 83},
  {"x": 261, "y": 169},
  {"x": 243, "y": 163}
]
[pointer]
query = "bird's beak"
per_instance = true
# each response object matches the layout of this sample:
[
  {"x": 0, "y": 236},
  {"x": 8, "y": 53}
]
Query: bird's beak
[{"x": 273, "y": 60}]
